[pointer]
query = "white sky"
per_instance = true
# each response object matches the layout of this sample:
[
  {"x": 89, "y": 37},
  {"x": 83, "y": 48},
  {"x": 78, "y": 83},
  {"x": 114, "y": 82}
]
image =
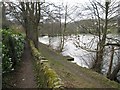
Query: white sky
[
  {"x": 56, "y": 1},
  {"x": 69, "y": 2},
  {"x": 74, "y": 2}
]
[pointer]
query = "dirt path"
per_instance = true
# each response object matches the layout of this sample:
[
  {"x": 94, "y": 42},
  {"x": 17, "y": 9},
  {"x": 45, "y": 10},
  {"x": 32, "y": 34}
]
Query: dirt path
[
  {"x": 26, "y": 77},
  {"x": 72, "y": 74},
  {"x": 23, "y": 77}
]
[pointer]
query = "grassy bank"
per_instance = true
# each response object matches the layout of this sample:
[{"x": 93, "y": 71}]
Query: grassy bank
[{"x": 72, "y": 75}]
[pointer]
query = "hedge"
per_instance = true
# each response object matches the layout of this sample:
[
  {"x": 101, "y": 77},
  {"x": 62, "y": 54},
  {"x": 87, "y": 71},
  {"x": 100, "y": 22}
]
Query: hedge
[{"x": 12, "y": 49}]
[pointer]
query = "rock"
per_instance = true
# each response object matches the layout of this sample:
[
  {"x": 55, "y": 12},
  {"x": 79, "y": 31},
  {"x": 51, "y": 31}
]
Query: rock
[{"x": 69, "y": 58}]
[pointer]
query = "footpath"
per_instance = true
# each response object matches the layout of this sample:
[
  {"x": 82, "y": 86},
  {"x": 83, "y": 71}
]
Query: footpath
[{"x": 23, "y": 76}]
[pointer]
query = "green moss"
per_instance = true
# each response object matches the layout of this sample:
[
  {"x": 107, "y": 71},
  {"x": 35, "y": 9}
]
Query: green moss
[
  {"x": 45, "y": 76},
  {"x": 51, "y": 76}
]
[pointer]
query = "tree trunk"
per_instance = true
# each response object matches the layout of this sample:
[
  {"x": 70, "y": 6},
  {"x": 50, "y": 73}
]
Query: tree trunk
[
  {"x": 99, "y": 59},
  {"x": 4, "y": 20},
  {"x": 100, "y": 49},
  {"x": 119, "y": 24},
  {"x": 31, "y": 13},
  {"x": 115, "y": 72},
  {"x": 32, "y": 33},
  {"x": 64, "y": 30},
  {"x": 111, "y": 62}
]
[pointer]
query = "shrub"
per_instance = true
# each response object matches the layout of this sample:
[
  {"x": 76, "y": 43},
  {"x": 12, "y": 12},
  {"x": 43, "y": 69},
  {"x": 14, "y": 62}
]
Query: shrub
[{"x": 12, "y": 49}]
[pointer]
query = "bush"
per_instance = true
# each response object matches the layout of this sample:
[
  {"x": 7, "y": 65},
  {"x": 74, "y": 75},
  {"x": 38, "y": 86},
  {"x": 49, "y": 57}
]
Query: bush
[{"x": 12, "y": 49}]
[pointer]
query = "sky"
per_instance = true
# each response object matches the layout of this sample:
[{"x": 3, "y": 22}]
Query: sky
[
  {"x": 55, "y": 1},
  {"x": 69, "y": 2},
  {"x": 72, "y": 2}
]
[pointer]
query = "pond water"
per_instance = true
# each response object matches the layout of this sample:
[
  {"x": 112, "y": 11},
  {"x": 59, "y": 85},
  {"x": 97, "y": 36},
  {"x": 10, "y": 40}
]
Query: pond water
[{"x": 81, "y": 57}]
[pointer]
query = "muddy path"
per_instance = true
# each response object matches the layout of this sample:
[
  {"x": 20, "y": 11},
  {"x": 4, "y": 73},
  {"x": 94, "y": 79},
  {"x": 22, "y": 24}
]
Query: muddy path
[{"x": 23, "y": 76}]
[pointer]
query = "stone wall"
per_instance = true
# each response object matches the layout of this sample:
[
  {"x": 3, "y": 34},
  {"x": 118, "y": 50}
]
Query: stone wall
[{"x": 45, "y": 76}]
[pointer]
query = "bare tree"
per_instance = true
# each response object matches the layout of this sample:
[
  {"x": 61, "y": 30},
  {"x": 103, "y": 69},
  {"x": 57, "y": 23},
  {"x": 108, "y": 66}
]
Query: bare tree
[
  {"x": 99, "y": 28},
  {"x": 29, "y": 15},
  {"x": 100, "y": 46},
  {"x": 64, "y": 30}
]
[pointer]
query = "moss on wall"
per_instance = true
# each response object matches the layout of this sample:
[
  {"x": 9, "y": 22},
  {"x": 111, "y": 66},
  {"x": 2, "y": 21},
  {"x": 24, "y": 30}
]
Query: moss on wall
[{"x": 45, "y": 76}]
